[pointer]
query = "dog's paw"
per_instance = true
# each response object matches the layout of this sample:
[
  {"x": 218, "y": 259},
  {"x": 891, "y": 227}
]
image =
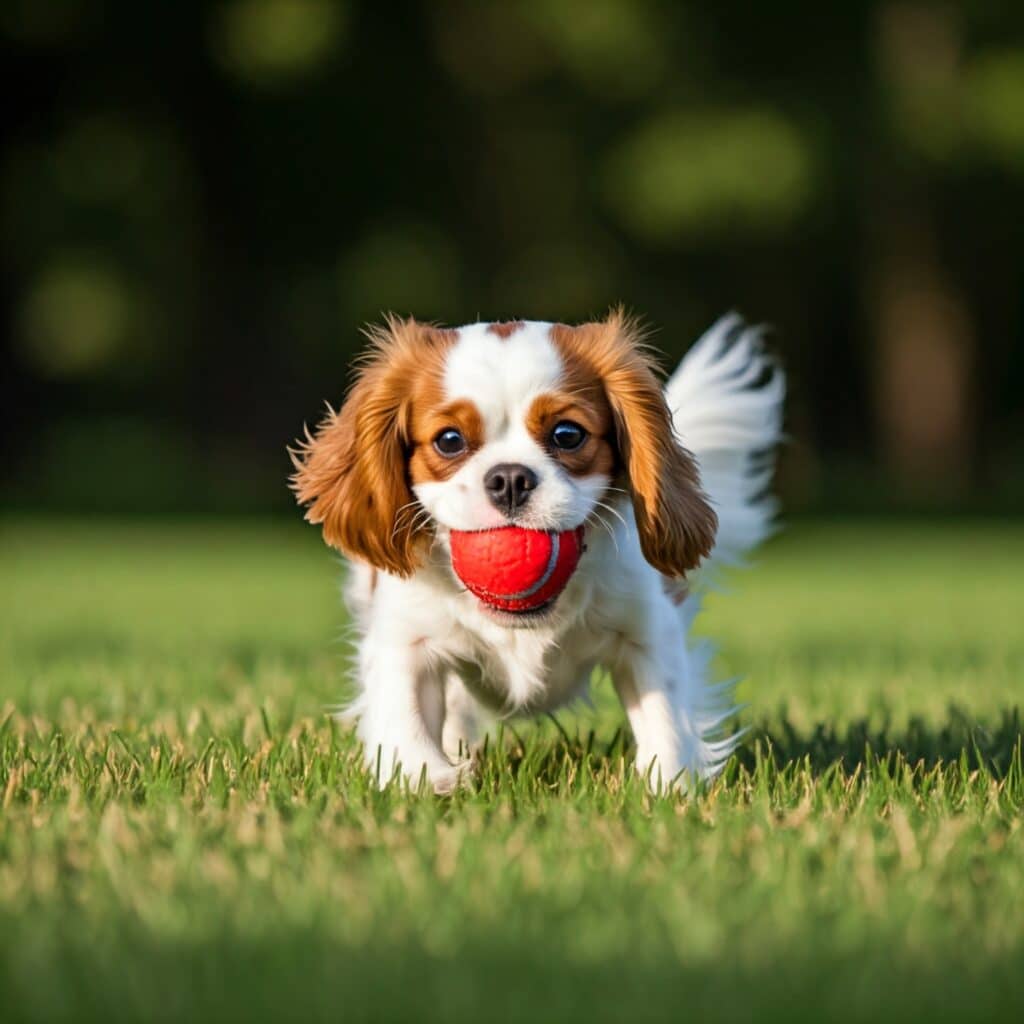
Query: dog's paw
[
  {"x": 662, "y": 775},
  {"x": 419, "y": 768},
  {"x": 456, "y": 776}
]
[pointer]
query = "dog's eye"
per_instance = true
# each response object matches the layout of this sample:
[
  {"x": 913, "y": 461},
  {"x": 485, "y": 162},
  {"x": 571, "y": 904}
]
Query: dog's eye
[
  {"x": 450, "y": 443},
  {"x": 568, "y": 436}
]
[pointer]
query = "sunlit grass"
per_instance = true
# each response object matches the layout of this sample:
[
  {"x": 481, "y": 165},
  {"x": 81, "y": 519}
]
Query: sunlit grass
[{"x": 184, "y": 834}]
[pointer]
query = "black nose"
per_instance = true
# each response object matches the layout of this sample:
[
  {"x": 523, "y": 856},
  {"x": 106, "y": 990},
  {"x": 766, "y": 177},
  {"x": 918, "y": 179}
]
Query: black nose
[{"x": 509, "y": 485}]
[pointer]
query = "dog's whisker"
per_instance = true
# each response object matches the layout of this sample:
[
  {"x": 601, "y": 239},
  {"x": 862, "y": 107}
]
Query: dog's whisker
[
  {"x": 611, "y": 533},
  {"x": 420, "y": 518},
  {"x": 611, "y": 488},
  {"x": 613, "y": 511}
]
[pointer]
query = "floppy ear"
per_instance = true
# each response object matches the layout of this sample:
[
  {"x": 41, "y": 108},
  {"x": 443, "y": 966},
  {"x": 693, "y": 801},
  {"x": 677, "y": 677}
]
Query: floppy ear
[
  {"x": 677, "y": 526},
  {"x": 352, "y": 474}
]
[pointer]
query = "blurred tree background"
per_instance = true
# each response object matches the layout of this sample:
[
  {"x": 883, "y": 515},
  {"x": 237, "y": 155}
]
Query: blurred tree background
[{"x": 202, "y": 202}]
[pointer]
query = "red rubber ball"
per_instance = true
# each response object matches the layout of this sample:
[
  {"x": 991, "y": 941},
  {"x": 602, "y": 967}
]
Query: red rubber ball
[{"x": 514, "y": 569}]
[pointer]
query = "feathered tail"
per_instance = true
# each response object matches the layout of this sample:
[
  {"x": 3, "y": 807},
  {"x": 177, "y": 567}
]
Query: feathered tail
[{"x": 726, "y": 399}]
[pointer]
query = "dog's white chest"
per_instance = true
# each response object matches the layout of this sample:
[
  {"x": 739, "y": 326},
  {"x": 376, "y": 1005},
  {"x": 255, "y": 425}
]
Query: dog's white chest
[{"x": 530, "y": 671}]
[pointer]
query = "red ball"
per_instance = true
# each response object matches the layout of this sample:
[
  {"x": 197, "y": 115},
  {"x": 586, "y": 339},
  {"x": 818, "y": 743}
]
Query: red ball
[{"x": 514, "y": 569}]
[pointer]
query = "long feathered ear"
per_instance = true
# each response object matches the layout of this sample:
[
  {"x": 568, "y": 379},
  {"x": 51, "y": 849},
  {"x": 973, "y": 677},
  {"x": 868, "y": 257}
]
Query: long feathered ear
[
  {"x": 676, "y": 524},
  {"x": 352, "y": 473}
]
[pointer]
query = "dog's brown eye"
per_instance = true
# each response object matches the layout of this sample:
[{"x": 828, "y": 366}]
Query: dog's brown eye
[
  {"x": 450, "y": 443},
  {"x": 567, "y": 436}
]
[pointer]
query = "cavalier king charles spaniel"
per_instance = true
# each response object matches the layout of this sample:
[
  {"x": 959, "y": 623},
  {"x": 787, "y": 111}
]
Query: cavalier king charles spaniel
[{"x": 552, "y": 428}]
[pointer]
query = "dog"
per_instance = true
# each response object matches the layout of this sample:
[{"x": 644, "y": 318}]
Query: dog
[{"x": 548, "y": 427}]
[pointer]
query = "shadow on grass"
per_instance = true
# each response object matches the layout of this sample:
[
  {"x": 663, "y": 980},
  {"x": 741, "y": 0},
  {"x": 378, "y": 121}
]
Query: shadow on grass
[
  {"x": 862, "y": 741},
  {"x": 960, "y": 741}
]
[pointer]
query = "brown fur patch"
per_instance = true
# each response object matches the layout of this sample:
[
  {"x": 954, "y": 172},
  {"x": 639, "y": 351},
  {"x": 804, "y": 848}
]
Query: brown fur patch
[
  {"x": 353, "y": 473},
  {"x": 506, "y": 329},
  {"x": 676, "y": 524},
  {"x": 586, "y": 405},
  {"x": 431, "y": 415}
]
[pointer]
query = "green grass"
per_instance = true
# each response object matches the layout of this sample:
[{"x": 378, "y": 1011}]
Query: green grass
[{"x": 184, "y": 835}]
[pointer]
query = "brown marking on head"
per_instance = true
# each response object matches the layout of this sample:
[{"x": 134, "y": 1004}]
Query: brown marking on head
[
  {"x": 582, "y": 402},
  {"x": 676, "y": 524},
  {"x": 353, "y": 472},
  {"x": 432, "y": 415},
  {"x": 506, "y": 329}
]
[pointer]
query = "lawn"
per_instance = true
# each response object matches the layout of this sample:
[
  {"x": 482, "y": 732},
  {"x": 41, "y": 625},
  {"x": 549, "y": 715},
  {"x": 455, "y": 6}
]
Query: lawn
[{"x": 185, "y": 835}]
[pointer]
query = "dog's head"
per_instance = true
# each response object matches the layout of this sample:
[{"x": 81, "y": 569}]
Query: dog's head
[{"x": 529, "y": 423}]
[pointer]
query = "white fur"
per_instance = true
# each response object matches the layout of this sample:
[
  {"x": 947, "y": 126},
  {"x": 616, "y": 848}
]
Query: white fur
[
  {"x": 731, "y": 428},
  {"x": 431, "y": 657}
]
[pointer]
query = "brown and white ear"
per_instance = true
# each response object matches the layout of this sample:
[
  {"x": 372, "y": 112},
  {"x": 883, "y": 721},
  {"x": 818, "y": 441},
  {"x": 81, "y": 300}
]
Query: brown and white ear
[
  {"x": 676, "y": 524},
  {"x": 352, "y": 474}
]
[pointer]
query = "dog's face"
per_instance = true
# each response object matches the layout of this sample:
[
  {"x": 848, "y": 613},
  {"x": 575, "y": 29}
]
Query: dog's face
[
  {"x": 490, "y": 424},
  {"x": 513, "y": 436}
]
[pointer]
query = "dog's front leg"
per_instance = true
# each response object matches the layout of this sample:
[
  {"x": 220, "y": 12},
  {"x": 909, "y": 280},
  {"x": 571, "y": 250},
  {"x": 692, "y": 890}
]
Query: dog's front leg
[
  {"x": 646, "y": 695},
  {"x": 654, "y": 678},
  {"x": 402, "y": 713},
  {"x": 462, "y": 719}
]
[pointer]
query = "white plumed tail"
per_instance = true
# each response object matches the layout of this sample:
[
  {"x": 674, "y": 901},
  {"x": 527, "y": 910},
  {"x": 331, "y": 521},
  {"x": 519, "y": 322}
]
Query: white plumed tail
[{"x": 726, "y": 399}]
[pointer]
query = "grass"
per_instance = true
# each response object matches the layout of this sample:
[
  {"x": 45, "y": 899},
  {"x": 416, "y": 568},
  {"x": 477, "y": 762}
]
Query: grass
[{"x": 184, "y": 835}]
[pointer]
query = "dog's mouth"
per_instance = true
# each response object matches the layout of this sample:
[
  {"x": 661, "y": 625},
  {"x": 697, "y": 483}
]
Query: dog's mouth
[
  {"x": 519, "y": 619},
  {"x": 516, "y": 574}
]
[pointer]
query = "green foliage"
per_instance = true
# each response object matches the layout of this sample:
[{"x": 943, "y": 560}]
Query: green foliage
[
  {"x": 995, "y": 105},
  {"x": 262, "y": 42},
  {"x": 184, "y": 834},
  {"x": 681, "y": 176},
  {"x": 203, "y": 202}
]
